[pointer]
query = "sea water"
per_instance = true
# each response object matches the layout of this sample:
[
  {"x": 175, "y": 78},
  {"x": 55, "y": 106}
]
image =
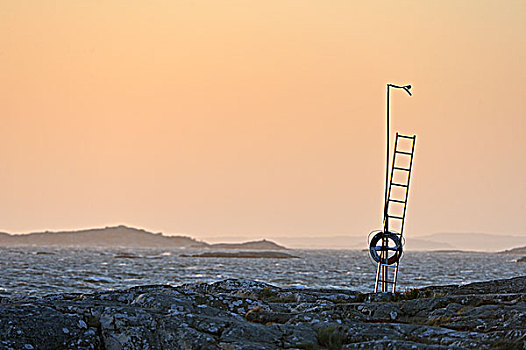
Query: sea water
[{"x": 39, "y": 271}]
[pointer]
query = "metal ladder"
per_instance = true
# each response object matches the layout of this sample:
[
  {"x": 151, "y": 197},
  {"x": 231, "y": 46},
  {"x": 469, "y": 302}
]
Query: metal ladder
[{"x": 394, "y": 210}]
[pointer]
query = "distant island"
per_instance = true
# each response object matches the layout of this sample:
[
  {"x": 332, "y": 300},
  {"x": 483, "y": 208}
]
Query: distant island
[
  {"x": 445, "y": 241},
  {"x": 519, "y": 250},
  {"x": 123, "y": 237},
  {"x": 516, "y": 251},
  {"x": 242, "y": 254}
]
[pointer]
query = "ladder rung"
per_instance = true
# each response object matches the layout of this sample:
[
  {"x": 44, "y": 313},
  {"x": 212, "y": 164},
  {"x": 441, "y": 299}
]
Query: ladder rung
[
  {"x": 404, "y": 152},
  {"x": 388, "y": 265},
  {"x": 396, "y": 200},
  {"x": 395, "y": 217},
  {"x": 405, "y": 137},
  {"x": 391, "y": 282},
  {"x": 399, "y": 168},
  {"x": 397, "y": 184}
]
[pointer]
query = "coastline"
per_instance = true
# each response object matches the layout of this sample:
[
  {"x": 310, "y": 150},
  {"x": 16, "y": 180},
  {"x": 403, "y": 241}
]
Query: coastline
[{"x": 246, "y": 314}]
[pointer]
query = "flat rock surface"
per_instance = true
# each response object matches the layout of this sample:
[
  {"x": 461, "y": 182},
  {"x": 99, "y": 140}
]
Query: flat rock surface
[{"x": 245, "y": 314}]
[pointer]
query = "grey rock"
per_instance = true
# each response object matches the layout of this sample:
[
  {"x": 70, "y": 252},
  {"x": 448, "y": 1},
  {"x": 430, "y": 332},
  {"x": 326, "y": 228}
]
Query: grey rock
[{"x": 246, "y": 314}]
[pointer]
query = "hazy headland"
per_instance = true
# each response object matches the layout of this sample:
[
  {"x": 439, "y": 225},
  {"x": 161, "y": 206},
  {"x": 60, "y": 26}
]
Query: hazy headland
[{"x": 123, "y": 237}]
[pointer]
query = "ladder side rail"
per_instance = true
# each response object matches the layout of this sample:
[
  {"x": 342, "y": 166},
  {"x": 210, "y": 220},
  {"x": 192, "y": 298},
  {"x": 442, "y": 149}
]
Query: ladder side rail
[
  {"x": 406, "y": 195},
  {"x": 406, "y": 192},
  {"x": 388, "y": 268},
  {"x": 408, "y": 182},
  {"x": 395, "y": 276},
  {"x": 386, "y": 204},
  {"x": 384, "y": 257},
  {"x": 391, "y": 183},
  {"x": 383, "y": 261},
  {"x": 377, "y": 276}
]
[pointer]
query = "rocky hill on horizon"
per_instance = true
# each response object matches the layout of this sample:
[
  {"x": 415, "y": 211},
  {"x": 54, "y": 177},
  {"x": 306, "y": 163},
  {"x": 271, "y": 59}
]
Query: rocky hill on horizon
[
  {"x": 122, "y": 237},
  {"x": 262, "y": 244},
  {"x": 518, "y": 250}
]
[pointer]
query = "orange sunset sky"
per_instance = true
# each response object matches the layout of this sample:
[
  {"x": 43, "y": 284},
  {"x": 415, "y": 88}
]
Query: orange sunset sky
[{"x": 260, "y": 118}]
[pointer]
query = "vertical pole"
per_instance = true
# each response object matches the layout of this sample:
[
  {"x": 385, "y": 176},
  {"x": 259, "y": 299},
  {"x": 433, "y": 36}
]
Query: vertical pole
[
  {"x": 385, "y": 253},
  {"x": 387, "y": 164}
]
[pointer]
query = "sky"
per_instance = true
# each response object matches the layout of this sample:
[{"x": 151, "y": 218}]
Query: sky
[{"x": 257, "y": 119}]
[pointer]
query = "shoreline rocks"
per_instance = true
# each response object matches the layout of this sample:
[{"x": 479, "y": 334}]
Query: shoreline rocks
[{"x": 246, "y": 314}]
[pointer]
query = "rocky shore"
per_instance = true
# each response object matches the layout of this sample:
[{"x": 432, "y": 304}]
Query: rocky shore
[{"x": 245, "y": 314}]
